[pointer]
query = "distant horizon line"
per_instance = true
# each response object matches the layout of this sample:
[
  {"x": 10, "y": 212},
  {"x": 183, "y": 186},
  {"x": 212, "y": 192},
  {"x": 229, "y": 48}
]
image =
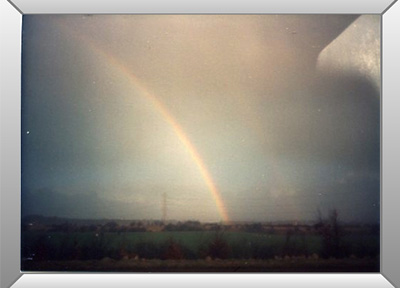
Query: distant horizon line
[{"x": 221, "y": 222}]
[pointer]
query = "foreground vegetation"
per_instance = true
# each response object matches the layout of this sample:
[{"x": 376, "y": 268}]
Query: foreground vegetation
[
  {"x": 186, "y": 245},
  {"x": 207, "y": 265},
  {"x": 325, "y": 246}
]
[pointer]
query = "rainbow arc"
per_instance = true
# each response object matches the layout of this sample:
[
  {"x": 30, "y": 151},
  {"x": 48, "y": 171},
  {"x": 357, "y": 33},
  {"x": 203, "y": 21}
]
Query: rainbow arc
[{"x": 117, "y": 64}]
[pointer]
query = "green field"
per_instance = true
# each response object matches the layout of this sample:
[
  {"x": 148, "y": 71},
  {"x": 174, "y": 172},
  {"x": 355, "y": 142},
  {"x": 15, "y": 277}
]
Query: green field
[{"x": 191, "y": 245}]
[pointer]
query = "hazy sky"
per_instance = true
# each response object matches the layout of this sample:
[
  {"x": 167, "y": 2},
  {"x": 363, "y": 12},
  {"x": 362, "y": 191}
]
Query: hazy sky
[{"x": 263, "y": 118}]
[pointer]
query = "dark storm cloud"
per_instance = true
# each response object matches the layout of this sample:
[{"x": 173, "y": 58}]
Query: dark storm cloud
[{"x": 335, "y": 119}]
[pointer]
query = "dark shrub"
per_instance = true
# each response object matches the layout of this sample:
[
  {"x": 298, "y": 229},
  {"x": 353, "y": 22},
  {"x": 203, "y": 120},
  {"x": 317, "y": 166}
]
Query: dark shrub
[
  {"x": 172, "y": 250},
  {"x": 219, "y": 247}
]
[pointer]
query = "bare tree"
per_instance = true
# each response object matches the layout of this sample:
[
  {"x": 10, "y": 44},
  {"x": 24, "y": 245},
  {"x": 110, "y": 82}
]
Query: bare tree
[{"x": 332, "y": 233}]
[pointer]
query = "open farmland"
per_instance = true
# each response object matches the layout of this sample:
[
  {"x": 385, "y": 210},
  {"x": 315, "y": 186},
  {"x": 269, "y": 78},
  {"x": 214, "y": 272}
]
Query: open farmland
[
  {"x": 194, "y": 251},
  {"x": 241, "y": 243}
]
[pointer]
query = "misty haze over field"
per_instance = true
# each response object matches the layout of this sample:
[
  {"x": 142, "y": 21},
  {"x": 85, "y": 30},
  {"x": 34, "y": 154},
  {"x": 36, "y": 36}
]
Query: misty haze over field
[{"x": 238, "y": 117}]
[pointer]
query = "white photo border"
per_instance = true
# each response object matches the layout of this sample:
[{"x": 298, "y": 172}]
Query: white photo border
[{"x": 10, "y": 25}]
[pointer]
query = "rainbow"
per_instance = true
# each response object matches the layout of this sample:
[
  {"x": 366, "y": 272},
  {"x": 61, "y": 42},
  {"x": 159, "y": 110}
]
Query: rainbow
[{"x": 166, "y": 115}]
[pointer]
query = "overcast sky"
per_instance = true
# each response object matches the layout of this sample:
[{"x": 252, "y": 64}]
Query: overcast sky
[{"x": 281, "y": 111}]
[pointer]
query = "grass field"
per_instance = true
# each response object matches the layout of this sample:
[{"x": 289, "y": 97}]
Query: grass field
[{"x": 193, "y": 245}]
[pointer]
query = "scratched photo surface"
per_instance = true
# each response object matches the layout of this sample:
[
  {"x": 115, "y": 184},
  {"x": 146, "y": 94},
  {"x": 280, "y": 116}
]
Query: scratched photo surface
[{"x": 209, "y": 143}]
